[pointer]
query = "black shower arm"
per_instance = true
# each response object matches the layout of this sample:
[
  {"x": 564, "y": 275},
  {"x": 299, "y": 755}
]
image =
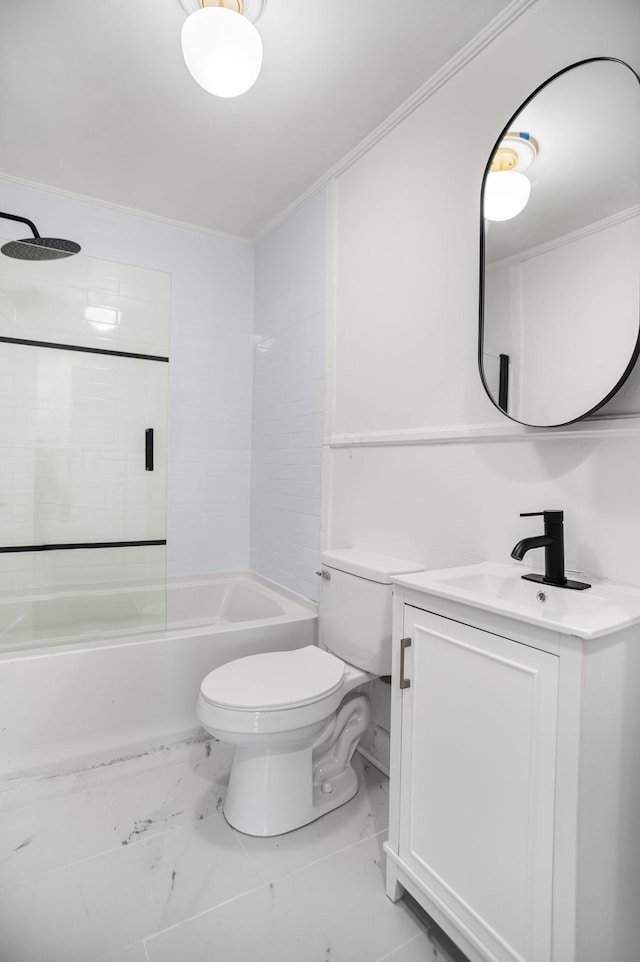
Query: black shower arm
[{"x": 22, "y": 220}]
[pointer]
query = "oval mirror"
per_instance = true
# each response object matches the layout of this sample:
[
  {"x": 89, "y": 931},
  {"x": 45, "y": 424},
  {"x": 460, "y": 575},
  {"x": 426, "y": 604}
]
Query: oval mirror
[{"x": 560, "y": 247}]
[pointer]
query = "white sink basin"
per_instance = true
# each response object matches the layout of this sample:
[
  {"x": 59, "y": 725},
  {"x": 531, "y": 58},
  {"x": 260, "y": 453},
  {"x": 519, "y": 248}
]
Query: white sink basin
[{"x": 597, "y": 611}]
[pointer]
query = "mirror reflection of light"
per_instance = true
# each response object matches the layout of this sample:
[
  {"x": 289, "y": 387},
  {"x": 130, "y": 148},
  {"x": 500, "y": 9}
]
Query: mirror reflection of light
[{"x": 506, "y": 194}]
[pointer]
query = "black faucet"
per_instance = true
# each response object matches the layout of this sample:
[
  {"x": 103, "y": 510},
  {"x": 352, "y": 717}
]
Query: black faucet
[{"x": 553, "y": 543}]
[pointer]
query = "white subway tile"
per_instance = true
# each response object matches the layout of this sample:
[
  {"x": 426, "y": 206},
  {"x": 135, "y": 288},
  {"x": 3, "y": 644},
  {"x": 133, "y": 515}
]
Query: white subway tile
[{"x": 288, "y": 399}]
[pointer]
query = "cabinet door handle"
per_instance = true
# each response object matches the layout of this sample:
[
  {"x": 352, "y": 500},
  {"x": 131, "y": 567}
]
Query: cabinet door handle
[{"x": 404, "y": 644}]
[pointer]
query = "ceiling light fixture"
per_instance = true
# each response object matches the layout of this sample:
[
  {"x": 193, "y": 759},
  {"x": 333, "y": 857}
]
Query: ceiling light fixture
[
  {"x": 506, "y": 189},
  {"x": 221, "y": 47}
]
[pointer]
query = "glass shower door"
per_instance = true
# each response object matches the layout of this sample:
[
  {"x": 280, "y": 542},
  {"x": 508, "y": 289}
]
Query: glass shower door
[{"x": 83, "y": 398}]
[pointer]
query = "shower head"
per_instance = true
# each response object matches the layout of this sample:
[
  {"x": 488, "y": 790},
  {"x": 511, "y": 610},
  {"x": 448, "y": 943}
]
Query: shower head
[
  {"x": 40, "y": 248},
  {"x": 37, "y": 248}
]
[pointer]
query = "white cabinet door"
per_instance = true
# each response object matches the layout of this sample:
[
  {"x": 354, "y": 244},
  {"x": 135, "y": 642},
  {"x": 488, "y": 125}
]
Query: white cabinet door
[{"x": 477, "y": 784}]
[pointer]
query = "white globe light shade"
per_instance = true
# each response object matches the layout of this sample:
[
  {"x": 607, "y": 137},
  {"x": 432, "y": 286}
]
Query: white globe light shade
[
  {"x": 222, "y": 50},
  {"x": 506, "y": 193}
]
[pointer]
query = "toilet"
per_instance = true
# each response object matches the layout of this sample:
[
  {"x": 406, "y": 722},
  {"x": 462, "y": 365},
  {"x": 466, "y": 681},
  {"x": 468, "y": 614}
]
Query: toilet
[{"x": 295, "y": 717}]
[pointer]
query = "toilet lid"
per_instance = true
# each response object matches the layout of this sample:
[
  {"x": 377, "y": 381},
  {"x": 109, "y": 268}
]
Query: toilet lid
[{"x": 274, "y": 680}]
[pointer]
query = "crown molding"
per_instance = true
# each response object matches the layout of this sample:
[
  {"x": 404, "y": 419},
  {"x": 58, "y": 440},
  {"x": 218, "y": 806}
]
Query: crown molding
[
  {"x": 566, "y": 239},
  {"x": 472, "y": 49},
  {"x": 120, "y": 208}
]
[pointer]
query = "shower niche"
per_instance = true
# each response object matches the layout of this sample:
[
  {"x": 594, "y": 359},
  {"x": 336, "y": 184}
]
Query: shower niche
[{"x": 83, "y": 394}]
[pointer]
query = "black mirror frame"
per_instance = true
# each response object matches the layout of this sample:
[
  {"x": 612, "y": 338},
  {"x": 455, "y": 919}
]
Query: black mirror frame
[{"x": 503, "y": 371}]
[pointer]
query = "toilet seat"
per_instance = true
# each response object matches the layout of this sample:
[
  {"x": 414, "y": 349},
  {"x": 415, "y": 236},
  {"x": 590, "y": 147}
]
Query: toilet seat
[{"x": 274, "y": 681}]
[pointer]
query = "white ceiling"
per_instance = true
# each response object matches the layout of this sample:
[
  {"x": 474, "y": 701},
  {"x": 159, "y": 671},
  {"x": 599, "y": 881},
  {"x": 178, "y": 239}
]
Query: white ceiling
[{"x": 95, "y": 100}]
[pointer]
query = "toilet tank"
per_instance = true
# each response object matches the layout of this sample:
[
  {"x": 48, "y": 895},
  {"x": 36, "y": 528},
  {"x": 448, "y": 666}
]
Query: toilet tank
[{"x": 356, "y": 604}]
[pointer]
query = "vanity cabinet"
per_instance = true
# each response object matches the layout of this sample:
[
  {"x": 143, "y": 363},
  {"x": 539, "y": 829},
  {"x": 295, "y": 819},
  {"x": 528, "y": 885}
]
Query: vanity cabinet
[{"x": 515, "y": 783}]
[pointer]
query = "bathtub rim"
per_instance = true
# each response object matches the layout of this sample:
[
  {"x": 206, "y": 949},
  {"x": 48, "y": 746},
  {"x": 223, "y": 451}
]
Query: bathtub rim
[{"x": 297, "y": 608}]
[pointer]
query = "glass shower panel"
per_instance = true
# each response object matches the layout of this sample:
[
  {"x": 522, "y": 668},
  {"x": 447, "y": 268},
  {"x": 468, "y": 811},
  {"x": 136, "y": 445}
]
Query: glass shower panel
[
  {"x": 85, "y": 301},
  {"x": 83, "y": 439},
  {"x": 62, "y": 597},
  {"x": 76, "y": 427}
]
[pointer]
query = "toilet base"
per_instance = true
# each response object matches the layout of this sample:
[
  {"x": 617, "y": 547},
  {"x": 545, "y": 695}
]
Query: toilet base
[{"x": 273, "y": 791}]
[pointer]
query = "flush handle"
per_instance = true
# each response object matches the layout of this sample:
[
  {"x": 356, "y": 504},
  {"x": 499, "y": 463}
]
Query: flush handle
[{"x": 404, "y": 644}]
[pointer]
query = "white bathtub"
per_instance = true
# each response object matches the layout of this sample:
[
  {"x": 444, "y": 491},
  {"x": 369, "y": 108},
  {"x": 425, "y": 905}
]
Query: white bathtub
[{"x": 75, "y": 705}]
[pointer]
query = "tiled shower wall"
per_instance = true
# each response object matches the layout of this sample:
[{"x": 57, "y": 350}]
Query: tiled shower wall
[
  {"x": 210, "y": 369},
  {"x": 210, "y": 411},
  {"x": 288, "y": 397},
  {"x": 219, "y": 357}
]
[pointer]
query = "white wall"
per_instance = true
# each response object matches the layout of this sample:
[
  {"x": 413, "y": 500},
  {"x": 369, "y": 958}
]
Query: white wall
[
  {"x": 210, "y": 369},
  {"x": 288, "y": 396},
  {"x": 547, "y": 308},
  {"x": 417, "y": 461},
  {"x": 404, "y": 335}
]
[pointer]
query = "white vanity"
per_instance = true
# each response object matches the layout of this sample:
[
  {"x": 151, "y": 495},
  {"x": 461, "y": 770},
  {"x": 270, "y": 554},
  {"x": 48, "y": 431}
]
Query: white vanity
[{"x": 515, "y": 768}]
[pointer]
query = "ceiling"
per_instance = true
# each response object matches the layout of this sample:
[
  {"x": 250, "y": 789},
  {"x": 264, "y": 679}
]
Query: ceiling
[{"x": 96, "y": 100}]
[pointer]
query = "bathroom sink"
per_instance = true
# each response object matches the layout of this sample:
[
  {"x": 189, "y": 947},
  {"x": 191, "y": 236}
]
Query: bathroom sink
[{"x": 604, "y": 608}]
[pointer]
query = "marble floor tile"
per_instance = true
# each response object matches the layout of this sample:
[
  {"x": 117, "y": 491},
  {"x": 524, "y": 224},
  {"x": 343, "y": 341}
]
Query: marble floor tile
[
  {"x": 137, "y": 953},
  {"x": 157, "y": 800},
  {"x": 334, "y": 909},
  {"x": 53, "y": 833},
  {"x": 133, "y": 862},
  {"x": 116, "y": 899},
  {"x": 431, "y": 944},
  {"x": 365, "y": 815},
  {"x": 164, "y": 879},
  {"x": 44, "y": 920},
  {"x": 418, "y": 949},
  {"x": 372, "y": 849}
]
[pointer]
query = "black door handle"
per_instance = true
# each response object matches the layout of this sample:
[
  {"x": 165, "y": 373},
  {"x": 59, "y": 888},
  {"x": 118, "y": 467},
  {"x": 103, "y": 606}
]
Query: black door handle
[{"x": 148, "y": 449}]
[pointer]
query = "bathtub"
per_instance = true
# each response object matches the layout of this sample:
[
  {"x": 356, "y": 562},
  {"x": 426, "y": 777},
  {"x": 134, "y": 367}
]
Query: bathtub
[{"x": 67, "y": 707}]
